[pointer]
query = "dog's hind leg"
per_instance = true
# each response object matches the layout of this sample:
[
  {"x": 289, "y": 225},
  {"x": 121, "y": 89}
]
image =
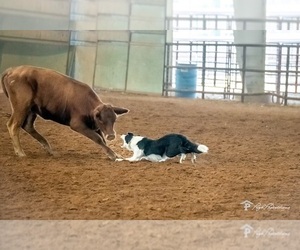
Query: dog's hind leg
[
  {"x": 174, "y": 150},
  {"x": 182, "y": 157},
  {"x": 194, "y": 157},
  {"x": 28, "y": 126}
]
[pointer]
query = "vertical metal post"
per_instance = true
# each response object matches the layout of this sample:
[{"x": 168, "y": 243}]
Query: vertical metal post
[
  {"x": 95, "y": 62},
  {"x": 177, "y": 47},
  {"x": 129, "y": 46},
  {"x": 97, "y": 45},
  {"x": 69, "y": 57},
  {"x": 278, "y": 82},
  {"x": 227, "y": 71},
  {"x": 297, "y": 65},
  {"x": 216, "y": 58},
  {"x": 244, "y": 25},
  {"x": 287, "y": 75},
  {"x": 244, "y": 73},
  {"x": 191, "y": 52},
  {"x": 128, "y": 60},
  {"x": 203, "y": 69},
  {"x": 69, "y": 40},
  {"x": 166, "y": 81},
  {"x": 236, "y": 73},
  {"x": 166, "y": 55}
]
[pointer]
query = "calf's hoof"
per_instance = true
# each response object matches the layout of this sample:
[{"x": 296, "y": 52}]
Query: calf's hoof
[
  {"x": 20, "y": 154},
  {"x": 113, "y": 157}
]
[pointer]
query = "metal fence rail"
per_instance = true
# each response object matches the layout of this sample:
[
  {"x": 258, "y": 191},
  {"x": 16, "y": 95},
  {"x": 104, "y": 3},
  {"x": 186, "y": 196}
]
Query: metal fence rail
[
  {"x": 227, "y": 22},
  {"x": 220, "y": 76}
]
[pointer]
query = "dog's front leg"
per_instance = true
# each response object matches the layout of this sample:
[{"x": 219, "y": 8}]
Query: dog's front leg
[
  {"x": 137, "y": 155},
  {"x": 132, "y": 159}
]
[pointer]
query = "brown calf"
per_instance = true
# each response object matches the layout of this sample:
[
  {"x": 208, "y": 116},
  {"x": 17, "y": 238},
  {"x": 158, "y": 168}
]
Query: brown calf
[{"x": 36, "y": 91}]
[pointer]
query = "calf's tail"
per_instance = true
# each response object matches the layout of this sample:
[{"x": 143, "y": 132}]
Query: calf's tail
[{"x": 4, "y": 74}]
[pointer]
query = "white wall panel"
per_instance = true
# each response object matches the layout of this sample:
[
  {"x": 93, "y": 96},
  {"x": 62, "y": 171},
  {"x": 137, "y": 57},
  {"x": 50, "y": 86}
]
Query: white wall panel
[
  {"x": 111, "y": 65},
  {"x": 117, "y": 7}
]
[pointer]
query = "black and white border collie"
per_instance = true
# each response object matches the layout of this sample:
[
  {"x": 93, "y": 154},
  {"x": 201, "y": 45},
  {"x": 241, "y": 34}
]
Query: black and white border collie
[{"x": 162, "y": 149}]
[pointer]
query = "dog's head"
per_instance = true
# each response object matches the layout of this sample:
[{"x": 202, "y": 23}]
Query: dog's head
[{"x": 126, "y": 141}]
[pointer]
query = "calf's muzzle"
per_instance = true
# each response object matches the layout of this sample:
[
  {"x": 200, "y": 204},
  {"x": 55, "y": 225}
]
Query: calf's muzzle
[{"x": 110, "y": 137}]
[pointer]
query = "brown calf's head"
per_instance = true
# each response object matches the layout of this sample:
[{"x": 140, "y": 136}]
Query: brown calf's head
[{"x": 105, "y": 116}]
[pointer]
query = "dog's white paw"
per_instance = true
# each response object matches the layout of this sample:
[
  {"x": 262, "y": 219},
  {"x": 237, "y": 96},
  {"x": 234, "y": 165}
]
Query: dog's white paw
[{"x": 119, "y": 159}]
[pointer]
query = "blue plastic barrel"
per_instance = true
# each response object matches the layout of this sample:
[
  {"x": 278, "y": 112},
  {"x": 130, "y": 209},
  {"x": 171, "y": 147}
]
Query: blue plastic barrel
[{"x": 186, "y": 79}]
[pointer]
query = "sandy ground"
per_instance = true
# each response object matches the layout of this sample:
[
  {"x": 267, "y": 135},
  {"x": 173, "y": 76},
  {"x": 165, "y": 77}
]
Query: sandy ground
[{"x": 254, "y": 155}]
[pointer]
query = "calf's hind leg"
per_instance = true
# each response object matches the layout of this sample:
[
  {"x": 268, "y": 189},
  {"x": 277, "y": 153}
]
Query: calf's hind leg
[
  {"x": 13, "y": 125},
  {"x": 20, "y": 98},
  {"x": 28, "y": 126}
]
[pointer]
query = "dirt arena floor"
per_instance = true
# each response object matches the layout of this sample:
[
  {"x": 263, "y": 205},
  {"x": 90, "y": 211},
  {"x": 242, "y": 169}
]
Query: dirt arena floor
[{"x": 254, "y": 155}]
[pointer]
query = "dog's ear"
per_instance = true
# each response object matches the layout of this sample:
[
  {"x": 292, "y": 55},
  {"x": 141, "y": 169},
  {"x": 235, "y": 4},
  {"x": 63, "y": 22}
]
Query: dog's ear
[{"x": 128, "y": 137}]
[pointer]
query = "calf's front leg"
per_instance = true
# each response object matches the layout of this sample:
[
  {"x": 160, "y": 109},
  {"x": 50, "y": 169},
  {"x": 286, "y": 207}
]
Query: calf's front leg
[{"x": 94, "y": 136}]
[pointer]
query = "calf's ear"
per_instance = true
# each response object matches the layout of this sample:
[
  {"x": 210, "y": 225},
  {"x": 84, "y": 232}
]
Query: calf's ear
[{"x": 120, "y": 111}]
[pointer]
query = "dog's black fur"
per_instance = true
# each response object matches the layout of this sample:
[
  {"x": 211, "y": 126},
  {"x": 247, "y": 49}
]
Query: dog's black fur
[{"x": 161, "y": 149}]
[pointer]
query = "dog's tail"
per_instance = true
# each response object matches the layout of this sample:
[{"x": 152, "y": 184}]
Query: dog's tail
[
  {"x": 4, "y": 74},
  {"x": 202, "y": 148}
]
